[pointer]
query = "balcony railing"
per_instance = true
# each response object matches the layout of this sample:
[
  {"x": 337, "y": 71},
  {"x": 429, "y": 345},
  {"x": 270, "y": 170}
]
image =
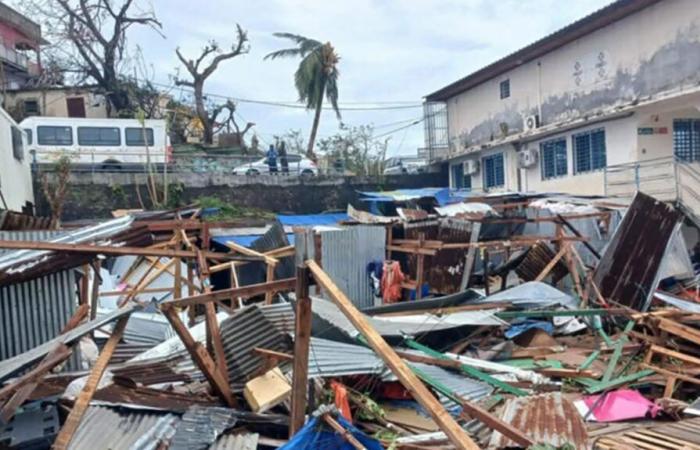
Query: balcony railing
[{"x": 18, "y": 59}]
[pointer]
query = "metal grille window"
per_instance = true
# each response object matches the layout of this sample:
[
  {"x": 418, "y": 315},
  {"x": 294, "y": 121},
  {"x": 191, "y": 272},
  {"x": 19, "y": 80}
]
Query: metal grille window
[
  {"x": 494, "y": 171},
  {"x": 98, "y": 136},
  {"x": 46, "y": 135},
  {"x": 505, "y": 88},
  {"x": 686, "y": 139},
  {"x": 589, "y": 151},
  {"x": 553, "y": 157},
  {"x": 134, "y": 136}
]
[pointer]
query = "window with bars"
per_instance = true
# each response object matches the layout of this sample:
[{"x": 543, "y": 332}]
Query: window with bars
[
  {"x": 553, "y": 158},
  {"x": 504, "y": 88},
  {"x": 494, "y": 171},
  {"x": 589, "y": 151},
  {"x": 686, "y": 139}
]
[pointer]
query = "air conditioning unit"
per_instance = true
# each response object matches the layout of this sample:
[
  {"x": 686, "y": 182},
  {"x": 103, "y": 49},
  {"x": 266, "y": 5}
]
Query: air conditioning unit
[
  {"x": 471, "y": 166},
  {"x": 527, "y": 158},
  {"x": 531, "y": 122}
]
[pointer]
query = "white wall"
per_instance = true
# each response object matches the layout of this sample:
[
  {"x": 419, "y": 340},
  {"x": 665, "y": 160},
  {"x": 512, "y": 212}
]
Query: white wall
[
  {"x": 652, "y": 51},
  {"x": 15, "y": 176}
]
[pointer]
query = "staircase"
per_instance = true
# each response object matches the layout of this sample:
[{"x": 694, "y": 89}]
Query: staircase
[{"x": 668, "y": 179}]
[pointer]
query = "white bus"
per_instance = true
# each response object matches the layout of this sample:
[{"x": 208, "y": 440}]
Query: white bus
[{"x": 101, "y": 143}]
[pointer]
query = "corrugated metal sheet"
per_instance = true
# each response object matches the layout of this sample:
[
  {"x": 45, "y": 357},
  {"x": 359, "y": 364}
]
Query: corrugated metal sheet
[
  {"x": 281, "y": 315},
  {"x": 19, "y": 362},
  {"x": 87, "y": 234},
  {"x": 467, "y": 388},
  {"x": 35, "y": 311},
  {"x": 255, "y": 272},
  {"x": 247, "y": 441},
  {"x": 336, "y": 359},
  {"x": 328, "y": 315},
  {"x": 107, "y": 428},
  {"x": 241, "y": 333},
  {"x": 200, "y": 426},
  {"x": 11, "y": 220},
  {"x": 536, "y": 259},
  {"x": 345, "y": 255},
  {"x": 533, "y": 294},
  {"x": 643, "y": 235},
  {"x": 546, "y": 419}
]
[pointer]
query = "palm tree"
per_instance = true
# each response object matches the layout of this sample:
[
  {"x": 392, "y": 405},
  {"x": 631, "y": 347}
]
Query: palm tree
[{"x": 316, "y": 76}]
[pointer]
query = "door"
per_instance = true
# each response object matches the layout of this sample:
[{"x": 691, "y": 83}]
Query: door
[{"x": 75, "y": 106}]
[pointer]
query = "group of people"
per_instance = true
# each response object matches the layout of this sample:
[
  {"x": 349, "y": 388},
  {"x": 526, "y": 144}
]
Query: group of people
[{"x": 272, "y": 156}]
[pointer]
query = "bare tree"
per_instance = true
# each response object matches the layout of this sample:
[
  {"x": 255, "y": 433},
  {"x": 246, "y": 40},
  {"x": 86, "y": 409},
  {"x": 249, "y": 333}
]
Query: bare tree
[
  {"x": 200, "y": 71},
  {"x": 57, "y": 191},
  {"x": 90, "y": 37}
]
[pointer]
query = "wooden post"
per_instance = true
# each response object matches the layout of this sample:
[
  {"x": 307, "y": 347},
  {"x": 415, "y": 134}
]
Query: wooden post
[
  {"x": 471, "y": 256},
  {"x": 270, "y": 277},
  {"x": 213, "y": 331},
  {"x": 82, "y": 402},
  {"x": 177, "y": 286},
  {"x": 302, "y": 337},
  {"x": 85, "y": 286},
  {"x": 408, "y": 379},
  {"x": 420, "y": 269},
  {"x": 487, "y": 287},
  {"x": 95, "y": 297},
  {"x": 200, "y": 356}
]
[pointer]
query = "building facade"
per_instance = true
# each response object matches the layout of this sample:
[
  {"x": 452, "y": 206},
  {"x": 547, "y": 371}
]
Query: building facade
[
  {"x": 56, "y": 101},
  {"x": 618, "y": 87},
  {"x": 20, "y": 49},
  {"x": 15, "y": 167}
]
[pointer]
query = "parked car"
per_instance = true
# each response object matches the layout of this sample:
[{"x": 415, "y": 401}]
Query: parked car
[
  {"x": 401, "y": 164},
  {"x": 297, "y": 165},
  {"x": 105, "y": 143}
]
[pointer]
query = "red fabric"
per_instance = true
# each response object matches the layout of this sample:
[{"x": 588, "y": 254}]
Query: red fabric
[
  {"x": 392, "y": 277},
  {"x": 341, "y": 400}
]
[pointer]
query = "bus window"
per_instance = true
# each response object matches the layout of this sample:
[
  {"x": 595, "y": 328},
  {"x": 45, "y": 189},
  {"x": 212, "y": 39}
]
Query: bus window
[
  {"x": 46, "y": 135},
  {"x": 28, "y": 133},
  {"x": 134, "y": 136},
  {"x": 102, "y": 136}
]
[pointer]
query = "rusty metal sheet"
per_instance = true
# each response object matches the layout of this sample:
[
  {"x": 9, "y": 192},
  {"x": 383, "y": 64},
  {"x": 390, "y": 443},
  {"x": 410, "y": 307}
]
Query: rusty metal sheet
[
  {"x": 536, "y": 259},
  {"x": 16, "y": 221},
  {"x": 628, "y": 271},
  {"x": 546, "y": 419}
]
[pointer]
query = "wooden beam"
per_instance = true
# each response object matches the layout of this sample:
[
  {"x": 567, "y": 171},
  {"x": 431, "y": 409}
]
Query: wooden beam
[
  {"x": 414, "y": 250},
  {"x": 116, "y": 251},
  {"x": 251, "y": 290},
  {"x": 471, "y": 257},
  {"x": 70, "y": 426},
  {"x": 95, "y": 296},
  {"x": 55, "y": 357},
  {"x": 550, "y": 265},
  {"x": 250, "y": 252},
  {"x": 269, "y": 278},
  {"x": 352, "y": 440},
  {"x": 302, "y": 338},
  {"x": 201, "y": 358},
  {"x": 213, "y": 331},
  {"x": 496, "y": 424},
  {"x": 408, "y": 379}
]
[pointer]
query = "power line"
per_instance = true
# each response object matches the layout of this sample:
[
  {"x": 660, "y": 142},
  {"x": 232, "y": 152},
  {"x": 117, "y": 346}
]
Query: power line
[{"x": 294, "y": 105}]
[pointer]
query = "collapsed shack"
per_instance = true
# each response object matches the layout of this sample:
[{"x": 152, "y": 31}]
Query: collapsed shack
[{"x": 495, "y": 322}]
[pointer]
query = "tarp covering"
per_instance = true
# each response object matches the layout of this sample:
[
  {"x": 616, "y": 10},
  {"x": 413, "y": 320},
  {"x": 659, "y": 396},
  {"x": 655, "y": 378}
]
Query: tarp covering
[
  {"x": 533, "y": 294},
  {"x": 442, "y": 195},
  {"x": 317, "y": 435},
  {"x": 308, "y": 220}
]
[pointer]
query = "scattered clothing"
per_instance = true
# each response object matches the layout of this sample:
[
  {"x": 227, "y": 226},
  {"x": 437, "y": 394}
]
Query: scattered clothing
[{"x": 392, "y": 278}]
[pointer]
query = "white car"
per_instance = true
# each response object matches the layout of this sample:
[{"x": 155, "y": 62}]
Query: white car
[
  {"x": 298, "y": 165},
  {"x": 403, "y": 165}
]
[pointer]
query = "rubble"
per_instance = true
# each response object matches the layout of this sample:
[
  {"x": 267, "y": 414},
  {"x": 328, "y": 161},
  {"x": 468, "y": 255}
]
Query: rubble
[{"x": 520, "y": 322}]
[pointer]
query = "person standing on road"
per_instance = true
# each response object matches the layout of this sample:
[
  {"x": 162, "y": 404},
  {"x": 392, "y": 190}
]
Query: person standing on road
[
  {"x": 272, "y": 159},
  {"x": 283, "y": 158}
]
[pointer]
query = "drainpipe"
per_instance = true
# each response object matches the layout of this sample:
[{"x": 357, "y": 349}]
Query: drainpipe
[{"x": 539, "y": 91}]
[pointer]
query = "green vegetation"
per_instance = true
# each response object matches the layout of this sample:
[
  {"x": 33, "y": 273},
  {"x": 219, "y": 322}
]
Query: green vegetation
[{"x": 228, "y": 211}]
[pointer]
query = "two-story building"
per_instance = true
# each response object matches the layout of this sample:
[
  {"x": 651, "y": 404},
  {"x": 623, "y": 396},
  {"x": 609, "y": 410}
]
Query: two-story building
[
  {"x": 20, "y": 49},
  {"x": 596, "y": 106}
]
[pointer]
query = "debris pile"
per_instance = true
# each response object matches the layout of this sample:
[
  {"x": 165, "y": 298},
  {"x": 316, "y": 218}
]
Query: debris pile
[{"x": 415, "y": 320}]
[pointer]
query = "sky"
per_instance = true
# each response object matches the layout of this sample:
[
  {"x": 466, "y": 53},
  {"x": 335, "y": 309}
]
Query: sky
[{"x": 393, "y": 52}]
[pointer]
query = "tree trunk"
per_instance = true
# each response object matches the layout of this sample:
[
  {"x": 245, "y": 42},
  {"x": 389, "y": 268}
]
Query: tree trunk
[
  {"x": 314, "y": 128},
  {"x": 202, "y": 112}
]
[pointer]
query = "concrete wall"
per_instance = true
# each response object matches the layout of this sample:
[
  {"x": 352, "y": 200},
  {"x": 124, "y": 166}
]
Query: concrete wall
[
  {"x": 52, "y": 103},
  {"x": 655, "y": 50},
  {"x": 15, "y": 175},
  {"x": 96, "y": 195}
]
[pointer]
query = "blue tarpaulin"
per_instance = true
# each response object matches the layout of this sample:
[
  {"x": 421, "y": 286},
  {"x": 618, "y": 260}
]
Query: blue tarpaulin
[
  {"x": 316, "y": 434},
  {"x": 517, "y": 329},
  {"x": 310, "y": 220}
]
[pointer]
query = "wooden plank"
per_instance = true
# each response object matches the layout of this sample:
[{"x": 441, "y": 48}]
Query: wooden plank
[
  {"x": 495, "y": 423},
  {"x": 408, "y": 379},
  {"x": 674, "y": 354},
  {"x": 286, "y": 284},
  {"x": 116, "y": 251},
  {"x": 302, "y": 338},
  {"x": 621, "y": 341},
  {"x": 352, "y": 440},
  {"x": 471, "y": 256},
  {"x": 55, "y": 357},
  {"x": 200, "y": 356},
  {"x": 70, "y": 426},
  {"x": 269, "y": 278},
  {"x": 415, "y": 250},
  {"x": 250, "y": 252},
  {"x": 95, "y": 295},
  {"x": 213, "y": 331},
  {"x": 550, "y": 265},
  {"x": 177, "y": 262},
  {"x": 683, "y": 331}
]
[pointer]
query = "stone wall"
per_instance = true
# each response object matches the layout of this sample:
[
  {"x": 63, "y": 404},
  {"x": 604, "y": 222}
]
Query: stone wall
[{"x": 95, "y": 195}]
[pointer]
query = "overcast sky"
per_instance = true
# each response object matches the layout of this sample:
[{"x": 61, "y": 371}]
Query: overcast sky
[{"x": 391, "y": 51}]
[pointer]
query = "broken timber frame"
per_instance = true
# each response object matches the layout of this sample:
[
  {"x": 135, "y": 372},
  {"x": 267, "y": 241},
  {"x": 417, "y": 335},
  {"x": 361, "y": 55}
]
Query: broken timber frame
[
  {"x": 457, "y": 435},
  {"x": 302, "y": 338}
]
